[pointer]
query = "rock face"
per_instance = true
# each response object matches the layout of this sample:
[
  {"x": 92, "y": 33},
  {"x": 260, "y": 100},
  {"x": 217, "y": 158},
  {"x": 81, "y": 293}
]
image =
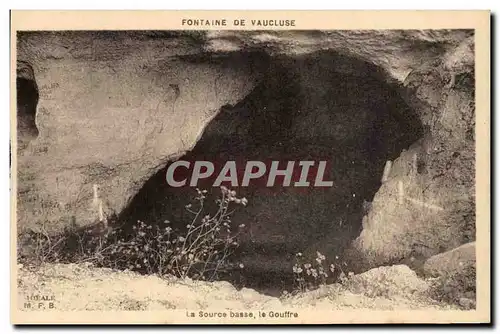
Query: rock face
[
  {"x": 115, "y": 108},
  {"x": 426, "y": 206}
]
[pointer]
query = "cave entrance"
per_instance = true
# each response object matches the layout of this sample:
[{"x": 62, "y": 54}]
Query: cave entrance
[{"x": 321, "y": 106}]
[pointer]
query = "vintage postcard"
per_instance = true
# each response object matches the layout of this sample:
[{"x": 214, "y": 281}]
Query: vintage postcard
[{"x": 250, "y": 167}]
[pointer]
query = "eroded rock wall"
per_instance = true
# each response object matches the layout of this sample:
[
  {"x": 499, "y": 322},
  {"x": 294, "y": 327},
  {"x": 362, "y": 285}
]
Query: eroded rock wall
[
  {"x": 115, "y": 108},
  {"x": 427, "y": 204}
]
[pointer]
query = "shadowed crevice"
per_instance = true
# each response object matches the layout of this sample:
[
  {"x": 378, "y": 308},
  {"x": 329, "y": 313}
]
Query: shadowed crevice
[{"x": 27, "y": 101}]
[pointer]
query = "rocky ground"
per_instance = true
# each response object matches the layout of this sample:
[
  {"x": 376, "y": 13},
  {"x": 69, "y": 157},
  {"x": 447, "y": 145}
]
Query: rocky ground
[{"x": 79, "y": 287}]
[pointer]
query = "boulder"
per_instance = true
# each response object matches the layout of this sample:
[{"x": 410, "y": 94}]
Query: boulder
[
  {"x": 398, "y": 280},
  {"x": 453, "y": 275},
  {"x": 451, "y": 262}
]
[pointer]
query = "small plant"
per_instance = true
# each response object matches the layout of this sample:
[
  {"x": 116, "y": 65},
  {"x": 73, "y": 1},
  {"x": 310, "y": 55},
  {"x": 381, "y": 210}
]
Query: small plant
[
  {"x": 201, "y": 251},
  {"x": 310, "y": 275}
]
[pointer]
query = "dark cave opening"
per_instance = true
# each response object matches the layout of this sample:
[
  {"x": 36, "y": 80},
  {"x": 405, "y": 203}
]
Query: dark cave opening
[
  {"x": 318, "y": 107},
  {"x": 27, "y": 101}
]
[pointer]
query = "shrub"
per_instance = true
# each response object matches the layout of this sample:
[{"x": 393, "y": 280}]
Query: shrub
[{"x": 201, "y": 250}]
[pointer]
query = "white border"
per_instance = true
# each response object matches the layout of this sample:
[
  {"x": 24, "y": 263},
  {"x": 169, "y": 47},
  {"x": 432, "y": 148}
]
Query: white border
[{"x": 186, "y": 4}]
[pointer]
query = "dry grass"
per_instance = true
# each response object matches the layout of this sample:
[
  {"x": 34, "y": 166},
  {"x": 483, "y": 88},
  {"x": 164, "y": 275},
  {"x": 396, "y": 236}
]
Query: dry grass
[{"x": 201, "y": 249}]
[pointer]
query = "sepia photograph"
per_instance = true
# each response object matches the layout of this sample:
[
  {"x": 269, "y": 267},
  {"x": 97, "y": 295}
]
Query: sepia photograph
[{"x": 250, "y": 167}]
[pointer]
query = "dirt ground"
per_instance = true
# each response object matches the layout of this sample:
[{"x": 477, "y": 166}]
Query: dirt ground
[{"x": 80, "y": 287}]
